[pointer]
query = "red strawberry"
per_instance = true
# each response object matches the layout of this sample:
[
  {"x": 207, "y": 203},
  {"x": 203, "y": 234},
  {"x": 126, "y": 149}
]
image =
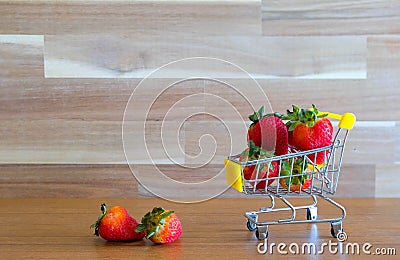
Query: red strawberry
[
  {"x": 273, "y": 172},
  {"x": 116, "y": 224},
  {"x": 258, "y": 171},
  {"x": 268, "y": 131},
  {"x": 298, "y": 178},
  {"x": 295, "y": 186},
  {"x": 161, "y": 226},
  {"x": 309, "y": 130}
]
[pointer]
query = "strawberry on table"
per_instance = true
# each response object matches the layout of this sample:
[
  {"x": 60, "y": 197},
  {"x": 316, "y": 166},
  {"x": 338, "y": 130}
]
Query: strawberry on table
[
  {"x": 309, "y": 130},
  {"x": 115, "y": 224},
  {"x": 268, "y": 132},
  {"x": 261, "y": 170},
  {"x": 161, "y": 226}
]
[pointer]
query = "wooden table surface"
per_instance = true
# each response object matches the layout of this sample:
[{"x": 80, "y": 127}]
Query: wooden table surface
[{"x": 215, "y": 229}]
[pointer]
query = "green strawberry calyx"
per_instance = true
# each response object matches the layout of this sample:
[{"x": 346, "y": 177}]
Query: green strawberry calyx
[
  {"x": 257, "y": 115},
  {"x": 96, "y": 224},
  {"x": 300, "y": 115},
  {"x": 255, "y": 152},
  {"x": 298, "y": 166},
  {"x": 152, "y": 221}
]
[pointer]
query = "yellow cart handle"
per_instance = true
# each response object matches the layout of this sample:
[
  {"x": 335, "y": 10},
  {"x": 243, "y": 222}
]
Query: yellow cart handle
[
  {"x": 347, "y": 120},
  {"x": 233, "y": 175}
]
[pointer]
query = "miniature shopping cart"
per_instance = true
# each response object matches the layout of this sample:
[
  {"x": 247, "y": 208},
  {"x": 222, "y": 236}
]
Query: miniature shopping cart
[{"x": 322, "y": 180}]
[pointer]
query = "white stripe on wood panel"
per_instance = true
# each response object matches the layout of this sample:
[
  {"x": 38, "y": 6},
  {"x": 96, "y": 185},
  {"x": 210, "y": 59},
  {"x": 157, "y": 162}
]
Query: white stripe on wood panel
[{"x": 131, "y": 56}]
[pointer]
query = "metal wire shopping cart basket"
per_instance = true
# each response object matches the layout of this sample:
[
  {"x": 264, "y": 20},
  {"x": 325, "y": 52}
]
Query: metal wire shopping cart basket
[{"x": 322, "y": 181}]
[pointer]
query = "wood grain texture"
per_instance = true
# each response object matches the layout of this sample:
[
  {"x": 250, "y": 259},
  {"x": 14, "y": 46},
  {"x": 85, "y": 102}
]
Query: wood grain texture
[
  {"x": 32, "y": 227},
  {"x": 120, "y": 181},
  {"x": 384, "y": 60},
  {"x": 132, "y": 56},
  {"x": 210, "y": 141},
  {"x": 85, "y": 142},
  {"x": 314, "y": 17},
  {"x": 343, "y": 56},
  {"x": 76, "y": 121},
  {"x": 238, "y": 17},
  {"x": 106, "y": 99},
  {"x": 21, "y": 56},
  {"x": 80, "y": 120},
  {"x": 368, "y": 101},
  {"x": 387, "y": 177},
  {"x": 66, "y": 181}
]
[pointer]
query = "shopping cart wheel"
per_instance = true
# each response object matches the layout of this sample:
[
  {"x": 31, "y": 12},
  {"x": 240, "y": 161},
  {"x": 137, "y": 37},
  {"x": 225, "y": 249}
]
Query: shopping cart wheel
[
  {"x": 333, "y": 232},
  {"x": 262, "y": 232},
  {"x": 337, "y": 231},
  {"x": 251, "y": 226},
  {"x": 312, "y": 213}
]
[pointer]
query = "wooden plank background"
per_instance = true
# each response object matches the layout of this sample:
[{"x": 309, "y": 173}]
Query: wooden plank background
[{"x": 69, "y": 67}]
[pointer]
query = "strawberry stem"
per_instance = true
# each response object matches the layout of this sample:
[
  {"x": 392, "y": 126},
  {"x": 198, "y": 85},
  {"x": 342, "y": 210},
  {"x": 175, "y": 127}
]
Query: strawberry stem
[{"x": 96, "y": 225}]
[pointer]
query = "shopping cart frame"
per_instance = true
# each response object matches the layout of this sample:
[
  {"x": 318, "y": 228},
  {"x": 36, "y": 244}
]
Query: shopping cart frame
[{"x": 324, "y": 180}]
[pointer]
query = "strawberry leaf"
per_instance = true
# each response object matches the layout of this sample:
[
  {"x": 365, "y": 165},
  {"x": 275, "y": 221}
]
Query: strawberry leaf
[
  {"x": 322, "y": 115},
  {"x": 271, "y": 167},
  {"x": 256, "y": 153},
  {"x": 261, "y": 111},
  {"x": 165, "y": 214},
  {"x": 254, "y": 117},
  {"x": 306, "y": 116},
  {"x": 140, "y": 228},
  {"x": 152, "y": 221},
  {"x": 257, "y": 115},
  {"x": 297, "y": 169},
  {"x": 96, "y": 225},
  {"x": 292, "y": 126},
  {"x": 315, "y": 110}
]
